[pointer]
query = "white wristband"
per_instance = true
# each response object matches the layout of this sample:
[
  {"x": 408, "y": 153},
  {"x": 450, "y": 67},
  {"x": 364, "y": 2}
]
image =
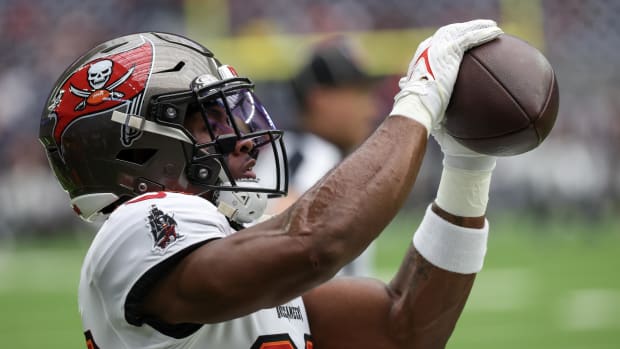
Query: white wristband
[{"x": 449, "y": 246}]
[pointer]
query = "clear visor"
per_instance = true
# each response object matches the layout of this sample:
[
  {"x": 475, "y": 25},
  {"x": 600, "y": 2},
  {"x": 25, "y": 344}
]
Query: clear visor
[
  {"x": 247, "y": 114},
  {"x": 236, "y": 129}
]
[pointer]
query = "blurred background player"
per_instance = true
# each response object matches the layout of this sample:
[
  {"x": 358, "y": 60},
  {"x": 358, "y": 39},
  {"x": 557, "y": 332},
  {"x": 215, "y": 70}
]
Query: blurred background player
[{"x": 337, "y": 110}]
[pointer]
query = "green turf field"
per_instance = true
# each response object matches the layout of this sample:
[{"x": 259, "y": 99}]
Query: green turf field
[{"x": 550, "y": 286}]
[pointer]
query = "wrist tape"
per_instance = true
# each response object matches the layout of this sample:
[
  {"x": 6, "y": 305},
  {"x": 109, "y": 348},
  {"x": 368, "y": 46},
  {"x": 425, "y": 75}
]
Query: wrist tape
[
  {"x": 464, "y": 192},
  {"x": 449, "y": 246}
]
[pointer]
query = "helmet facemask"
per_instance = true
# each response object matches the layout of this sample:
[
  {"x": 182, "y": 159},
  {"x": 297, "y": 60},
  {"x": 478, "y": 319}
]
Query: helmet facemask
[{"x": 236, "y": 146}]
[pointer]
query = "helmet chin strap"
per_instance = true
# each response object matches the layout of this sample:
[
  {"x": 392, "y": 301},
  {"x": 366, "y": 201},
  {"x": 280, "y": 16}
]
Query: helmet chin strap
[{"x": 240, "y": 206}]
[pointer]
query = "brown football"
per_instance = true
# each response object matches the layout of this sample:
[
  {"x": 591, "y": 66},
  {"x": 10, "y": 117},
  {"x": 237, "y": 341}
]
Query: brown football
[{"x": 505, "y": 100}]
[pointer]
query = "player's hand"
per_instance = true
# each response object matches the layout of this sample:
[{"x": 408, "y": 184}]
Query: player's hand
[{"x": 427, "y": 87}]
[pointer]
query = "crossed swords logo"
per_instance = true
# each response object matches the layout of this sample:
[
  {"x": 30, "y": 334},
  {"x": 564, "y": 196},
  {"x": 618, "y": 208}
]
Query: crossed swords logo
[{"x": 98, "y": 75}]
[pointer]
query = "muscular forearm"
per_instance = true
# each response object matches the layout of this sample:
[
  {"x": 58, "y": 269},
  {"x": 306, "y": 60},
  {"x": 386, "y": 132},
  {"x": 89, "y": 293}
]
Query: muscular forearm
[
  {"x": 430, "y": 299},
  {"x": 345, "y": 211},
  {"x": 309, "y": 242}
]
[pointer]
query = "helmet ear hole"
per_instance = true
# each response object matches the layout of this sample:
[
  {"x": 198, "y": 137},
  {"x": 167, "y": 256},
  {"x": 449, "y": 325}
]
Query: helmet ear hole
[{"x": 136, "y": 156}]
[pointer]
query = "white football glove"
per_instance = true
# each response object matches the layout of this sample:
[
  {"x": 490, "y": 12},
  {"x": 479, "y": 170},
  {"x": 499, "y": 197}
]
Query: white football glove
[{"x": 426, "y": 90}]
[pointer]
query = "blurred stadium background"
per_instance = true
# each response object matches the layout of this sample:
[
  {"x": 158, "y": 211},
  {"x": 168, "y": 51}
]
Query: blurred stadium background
[{"x": 552, "y": 278}]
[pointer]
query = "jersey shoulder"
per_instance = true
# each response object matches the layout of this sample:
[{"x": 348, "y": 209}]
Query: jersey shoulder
[
  {"x": 152, "y": 227},
  {"x": 139, "y": 236}
]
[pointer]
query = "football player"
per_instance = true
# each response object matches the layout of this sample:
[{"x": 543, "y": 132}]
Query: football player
[{"x": 151, "y": 133}]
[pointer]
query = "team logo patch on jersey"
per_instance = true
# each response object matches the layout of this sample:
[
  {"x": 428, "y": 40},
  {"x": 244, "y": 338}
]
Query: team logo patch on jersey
[{"x": 163, "y": 229}]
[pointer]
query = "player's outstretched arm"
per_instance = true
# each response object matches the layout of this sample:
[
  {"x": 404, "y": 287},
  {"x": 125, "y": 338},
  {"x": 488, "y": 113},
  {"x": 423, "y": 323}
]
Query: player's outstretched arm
[
  {"x": 272, "y": 262},
  {"x": 417, "y": 309},
  {"x": 277, "y": 260},
  {"x": 421, "y": 305}
]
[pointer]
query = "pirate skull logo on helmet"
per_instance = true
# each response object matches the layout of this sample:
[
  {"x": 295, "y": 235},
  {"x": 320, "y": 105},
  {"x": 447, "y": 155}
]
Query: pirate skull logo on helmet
[{"x": 99, "y": 74}]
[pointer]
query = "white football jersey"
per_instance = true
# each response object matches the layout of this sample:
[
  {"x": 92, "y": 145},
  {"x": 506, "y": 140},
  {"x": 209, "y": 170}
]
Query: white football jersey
[{"x": 132, "y": 248}]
